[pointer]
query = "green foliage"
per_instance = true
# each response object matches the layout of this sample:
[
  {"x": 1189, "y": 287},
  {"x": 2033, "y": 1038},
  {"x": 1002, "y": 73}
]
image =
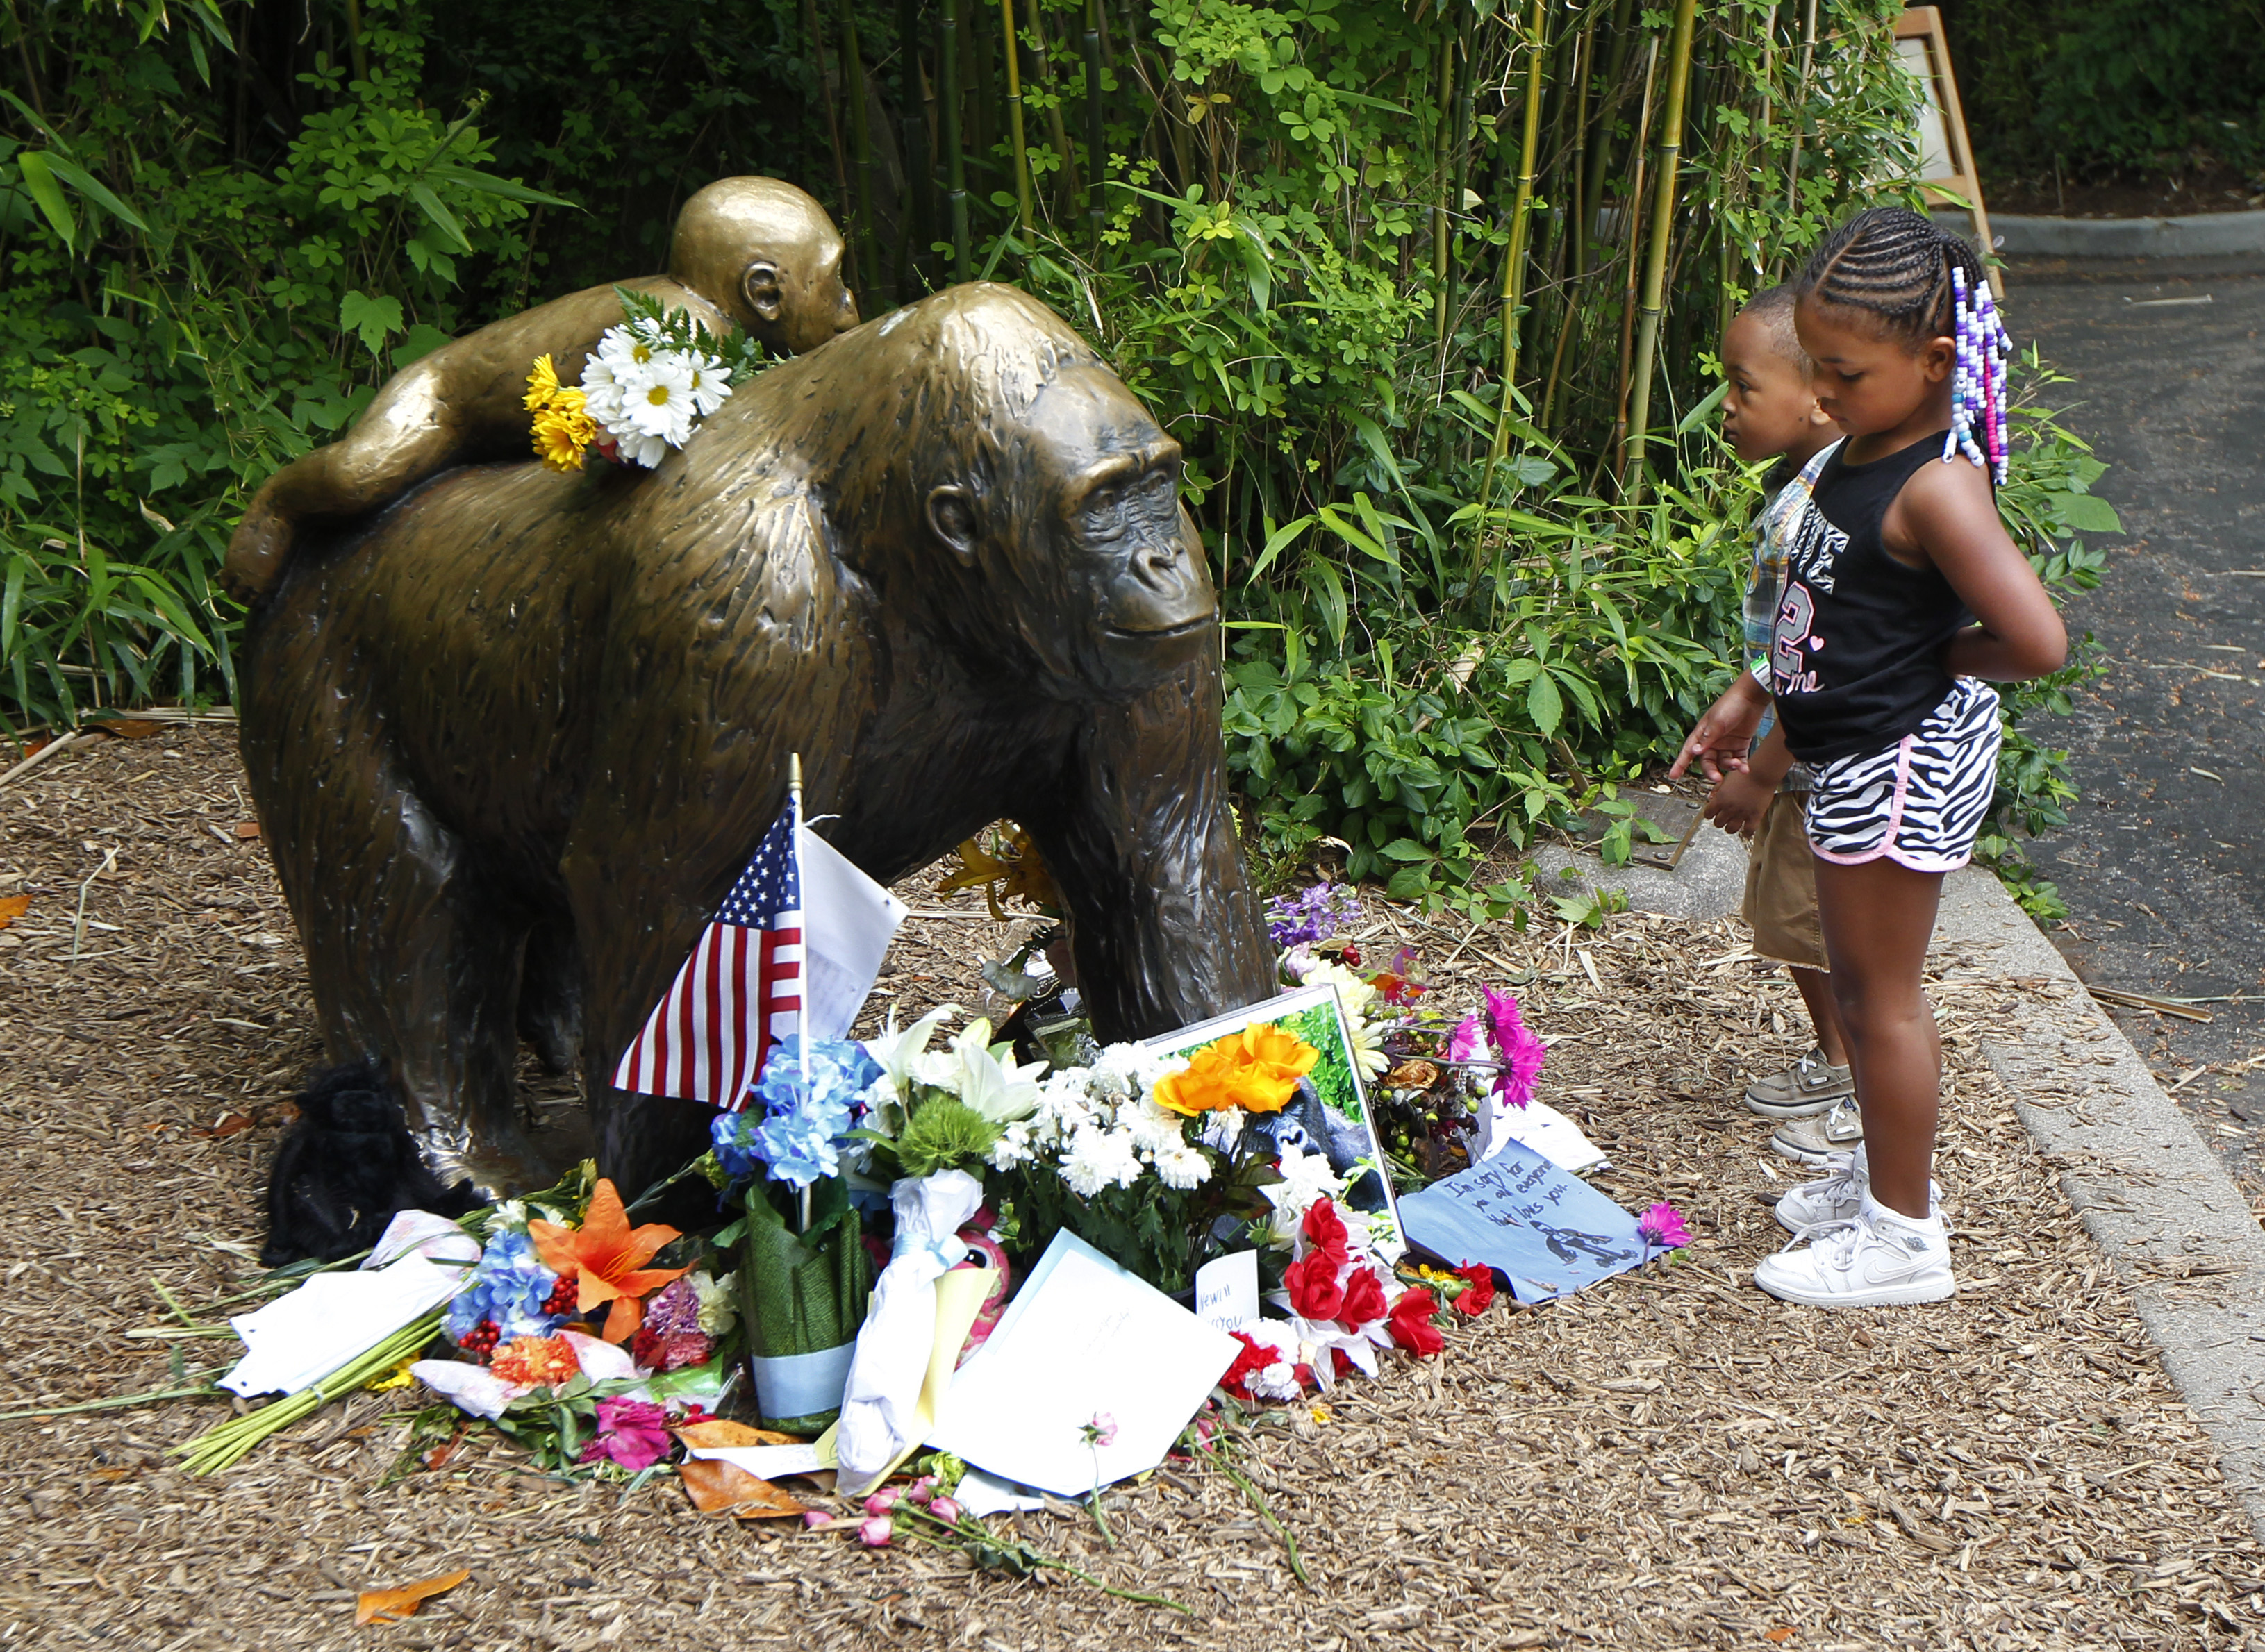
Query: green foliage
[{"x": 2093, "y": 85}]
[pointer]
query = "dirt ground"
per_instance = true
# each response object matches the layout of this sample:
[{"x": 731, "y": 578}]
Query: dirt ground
[{"x": 1670, "y": 1460}]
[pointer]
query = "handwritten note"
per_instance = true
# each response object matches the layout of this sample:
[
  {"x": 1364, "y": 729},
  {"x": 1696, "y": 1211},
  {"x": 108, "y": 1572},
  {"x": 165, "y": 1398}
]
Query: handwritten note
[
  {"x": 1085, "y": 1339},
  {"x": 1546, "y": 1230},
  {"x": 1227, "y": 1289}
]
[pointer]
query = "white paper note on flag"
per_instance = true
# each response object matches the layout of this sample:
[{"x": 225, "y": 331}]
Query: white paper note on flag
[{"x": 847, "y": 921}]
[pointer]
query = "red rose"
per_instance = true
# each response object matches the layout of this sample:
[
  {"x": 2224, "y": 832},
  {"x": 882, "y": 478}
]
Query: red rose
[
  {"x": 1364, "y": 1300},
  {"x": 1342, "y": 1361},
  {"x": 1252, "y": 1357},
  {"x": 1478, "y": 1295},
  {"x": 1313, "y": 1284},
  {"x": 1325, "y": 1230},
  {"x": 1411, "y": 1323}
]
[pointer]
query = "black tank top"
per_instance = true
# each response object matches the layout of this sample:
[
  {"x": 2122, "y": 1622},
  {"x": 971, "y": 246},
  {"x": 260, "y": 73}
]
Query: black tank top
[{"x": 1857, "y": 663}]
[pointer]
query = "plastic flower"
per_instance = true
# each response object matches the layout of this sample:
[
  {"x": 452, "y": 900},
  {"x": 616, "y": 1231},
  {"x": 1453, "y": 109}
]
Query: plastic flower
[
  {"x": 1324, "y": 1229},
  {"x": 1316, "y": 1292},
  {"x": 1521, "y": 1053},
  {"x": 606, "y": 1258},
  {"x": 1662, "y": 1225},
  {"x": 1364, "y": 1298},
  {"x": 508, "y": 1287},
  {"x": 1305, "y": 1177},
  {"x": 1410, "y": 1322},
  {"x": 537, "y": 1361},
  {"x": 1477, "y": 1294},
  {"x": 631, "y": 1433},
  {"x": 1251, "y": 1357}
]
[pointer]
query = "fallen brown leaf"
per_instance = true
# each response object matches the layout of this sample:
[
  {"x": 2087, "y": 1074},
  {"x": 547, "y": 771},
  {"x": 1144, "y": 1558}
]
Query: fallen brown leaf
[
  {"x": 715, "y": 1432},
  {"x": 247, "y": 828},
  {"x": 13, "y": 907},
  {"x": 1783, "y": 1632},
  {"x": 391, "y": 1605},
  {"x": 226, "y": 1125},
  {"x": 129, "y": 728},
  {"x": 726, "y": 1489}
]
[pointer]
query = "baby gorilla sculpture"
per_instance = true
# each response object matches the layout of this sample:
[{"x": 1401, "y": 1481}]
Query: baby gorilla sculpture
[
  {"x": 942, "y": 557},
  {"x": 747, "y": 252}
]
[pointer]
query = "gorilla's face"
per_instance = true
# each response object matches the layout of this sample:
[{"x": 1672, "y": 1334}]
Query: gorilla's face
[{"x": 1123, "y": 593}]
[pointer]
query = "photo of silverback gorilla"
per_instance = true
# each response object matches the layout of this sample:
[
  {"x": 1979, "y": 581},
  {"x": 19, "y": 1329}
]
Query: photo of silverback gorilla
[{"x": 512, "y": 740}]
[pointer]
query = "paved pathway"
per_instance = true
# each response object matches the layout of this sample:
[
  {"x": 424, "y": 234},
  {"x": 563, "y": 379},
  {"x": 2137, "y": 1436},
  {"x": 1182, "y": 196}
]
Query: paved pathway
[{"x": 2161, "y": 865}]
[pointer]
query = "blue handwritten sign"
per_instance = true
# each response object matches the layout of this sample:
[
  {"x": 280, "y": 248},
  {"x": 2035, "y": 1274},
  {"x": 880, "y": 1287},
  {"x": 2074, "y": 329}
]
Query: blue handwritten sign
[{"x": 1544, "y": 1229}]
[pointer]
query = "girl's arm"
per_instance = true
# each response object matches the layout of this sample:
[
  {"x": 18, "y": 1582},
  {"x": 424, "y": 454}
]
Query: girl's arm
[{"x": 1947, "y": 516}]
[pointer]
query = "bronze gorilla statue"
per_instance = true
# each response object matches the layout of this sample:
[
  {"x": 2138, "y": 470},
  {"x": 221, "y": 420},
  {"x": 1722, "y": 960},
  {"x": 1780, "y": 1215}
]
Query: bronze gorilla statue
[{"x": 512, "y": 740}]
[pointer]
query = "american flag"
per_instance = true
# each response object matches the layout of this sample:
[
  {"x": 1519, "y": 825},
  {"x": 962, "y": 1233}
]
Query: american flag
[{"x": 737, "y": 996}]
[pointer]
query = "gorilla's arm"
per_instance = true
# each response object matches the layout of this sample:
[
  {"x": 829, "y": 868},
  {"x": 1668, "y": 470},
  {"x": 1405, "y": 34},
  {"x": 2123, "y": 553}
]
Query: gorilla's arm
[{"x": 1142, "y": 846}]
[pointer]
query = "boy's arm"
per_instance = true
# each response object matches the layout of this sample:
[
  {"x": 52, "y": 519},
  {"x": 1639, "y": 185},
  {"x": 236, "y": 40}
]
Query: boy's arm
[
  {"x": 1739, "y": 800},
  {"x": 1719, "y": 739}
]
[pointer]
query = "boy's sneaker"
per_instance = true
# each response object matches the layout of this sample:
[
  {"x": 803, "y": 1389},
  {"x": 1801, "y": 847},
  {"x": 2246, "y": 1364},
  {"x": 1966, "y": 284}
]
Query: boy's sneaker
[
  {"x": 1808, "y": 1086},
  {"x": 1822, "y": 1137},
  {"x": 1876, "y": 1259}
]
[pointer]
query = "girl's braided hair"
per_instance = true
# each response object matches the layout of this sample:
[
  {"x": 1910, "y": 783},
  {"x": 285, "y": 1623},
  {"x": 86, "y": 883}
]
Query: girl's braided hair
[{"x": 1921, "y": 283}]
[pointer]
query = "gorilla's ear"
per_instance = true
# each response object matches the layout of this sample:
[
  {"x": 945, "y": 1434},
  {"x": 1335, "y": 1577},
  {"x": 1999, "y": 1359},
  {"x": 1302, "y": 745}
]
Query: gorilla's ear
[
  {"x": 952, "y": 515},
  {"x": 761, "y": 285}
]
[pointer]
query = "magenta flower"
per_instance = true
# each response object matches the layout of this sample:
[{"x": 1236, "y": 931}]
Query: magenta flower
[
  {"x": 946, "y": 1509},
  {"x": 631, "y": 1433},
  {"x": 1662, "y": 1225},
  {"x": 882, "y": 1501},
  {"x": 1520, "y": 1052},
  {"x": 814, "y": 1518},
  {"x": 1465, "y": 1043},
  {"x": 875, "y": 1533}
]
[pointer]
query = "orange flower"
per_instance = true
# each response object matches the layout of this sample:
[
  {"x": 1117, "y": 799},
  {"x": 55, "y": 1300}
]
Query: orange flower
[
  {"x": 1257, "y": 1070},
  {"x": 541, "y": 1362},
  {"x": 606, "y": 1259}
]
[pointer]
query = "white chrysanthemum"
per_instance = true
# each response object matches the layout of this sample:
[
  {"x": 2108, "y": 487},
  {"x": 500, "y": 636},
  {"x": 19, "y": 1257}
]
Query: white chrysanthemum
[
  {"x": 662, "y": 405},
  {"x": 1181, "y": 1167},
  {"x": 1016, "y": 1145},
  {"x": 1223, "y": 1129},
  {"x": 1097, "y": 1159},
  {"x": 1155, "y": 1129},
  {"x": 711, "y": 384}
]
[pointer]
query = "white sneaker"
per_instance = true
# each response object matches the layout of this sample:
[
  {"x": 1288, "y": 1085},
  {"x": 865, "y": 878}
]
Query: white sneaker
[
  {"x": 1838, "y": 1195},
  {"x": 1877, "y": 1258},
  {"x": 1823, "y": 1136}
]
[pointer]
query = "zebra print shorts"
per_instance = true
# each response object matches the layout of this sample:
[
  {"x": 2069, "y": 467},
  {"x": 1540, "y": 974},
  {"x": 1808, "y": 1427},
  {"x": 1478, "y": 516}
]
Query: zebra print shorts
[{"x": 1921, "y": 802}]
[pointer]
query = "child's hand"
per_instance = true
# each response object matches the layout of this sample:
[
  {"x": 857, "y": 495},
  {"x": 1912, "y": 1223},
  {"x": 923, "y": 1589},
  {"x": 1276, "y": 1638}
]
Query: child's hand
[
  {"x": 1738, "y": 802},
  {"x": 1719, "y": 739}
]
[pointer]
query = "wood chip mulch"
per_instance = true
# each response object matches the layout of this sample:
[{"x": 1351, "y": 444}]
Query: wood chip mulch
[{"x": 1670, "y": 1460}]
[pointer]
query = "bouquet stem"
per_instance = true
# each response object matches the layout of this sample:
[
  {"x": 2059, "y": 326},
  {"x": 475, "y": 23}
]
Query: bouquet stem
[{"x": 217, "y": 1448}]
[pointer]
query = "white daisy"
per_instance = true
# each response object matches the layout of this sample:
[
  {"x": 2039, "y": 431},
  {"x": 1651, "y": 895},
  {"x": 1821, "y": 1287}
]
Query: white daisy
[
  {"x": 663, "y": 406},
  {"x": 711, "y": 384}
]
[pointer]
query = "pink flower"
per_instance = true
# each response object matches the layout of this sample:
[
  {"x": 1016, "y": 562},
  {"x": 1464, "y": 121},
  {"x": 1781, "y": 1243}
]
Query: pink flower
[
  {"x": 946, "y": 1509},
  {"x": 1663, "y": 1224},
  {"x": 1464, "y": 1044},
  {"x": 813, "y": 1518},
  {"x": 1520, "y": 1052},
  {"x": 882, "y": 1501},
  {"x": 922, "y": 1490},
  {"x": 875, "y": 1533},
  {"x": 1103, "y": 1429},
  {"x": 631, "y": 1433}
]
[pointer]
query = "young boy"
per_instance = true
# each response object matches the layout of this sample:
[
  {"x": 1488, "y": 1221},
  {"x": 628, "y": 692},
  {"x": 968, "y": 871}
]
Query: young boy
[
  {"x": 1769, "y": 411},
  {"x": 747, "y": 252}
]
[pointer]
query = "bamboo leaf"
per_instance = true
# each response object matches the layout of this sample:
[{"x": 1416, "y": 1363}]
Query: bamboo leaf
[
  {"x": 41, "y": 182},
  {"x": 95, "y": 192},
  {"x": 1278, "y": 541},
  {"x": 444, "y": 220}
]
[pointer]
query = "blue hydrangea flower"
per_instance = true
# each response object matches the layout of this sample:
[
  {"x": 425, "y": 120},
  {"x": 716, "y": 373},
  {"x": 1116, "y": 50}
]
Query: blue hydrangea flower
[
  {"x": 508, "y": 1286},
  {"x": 799, "y": 1117}
]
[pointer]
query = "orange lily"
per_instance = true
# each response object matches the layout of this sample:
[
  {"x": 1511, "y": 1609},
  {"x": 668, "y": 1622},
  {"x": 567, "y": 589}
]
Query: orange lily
[{"x": 606, "y": 1258}]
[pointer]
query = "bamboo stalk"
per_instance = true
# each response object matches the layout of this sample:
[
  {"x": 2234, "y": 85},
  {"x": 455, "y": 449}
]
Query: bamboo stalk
[
  {"x": 1584, "y": 210},
  {"x": 868, "y": 270},
  {"x": 1662, "y": 224},
  {"x": 1801, "y": 103},
  {"x": 1057, "y": 134},
  {"x": 919, "y": 216},
  {"x": 1513, "y": 267},
  {"x": 1629, "y": 200},
  {"x": 1015, "y": 119},
  {"x": 955, "y": 161},
  {"x": 1096, "y": 159},
  {"x": 1623, "y": 38},
  {"x": 824, "y": 92},
  {"x": 1444, "y": 80}
]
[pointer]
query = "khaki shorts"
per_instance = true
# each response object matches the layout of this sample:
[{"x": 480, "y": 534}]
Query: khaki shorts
[{"x": 1780, "y": 902}]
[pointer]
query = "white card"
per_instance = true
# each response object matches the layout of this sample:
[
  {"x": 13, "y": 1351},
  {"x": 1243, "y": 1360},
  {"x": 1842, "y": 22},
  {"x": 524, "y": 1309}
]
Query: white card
[{"x": 1227, "y": 1289}]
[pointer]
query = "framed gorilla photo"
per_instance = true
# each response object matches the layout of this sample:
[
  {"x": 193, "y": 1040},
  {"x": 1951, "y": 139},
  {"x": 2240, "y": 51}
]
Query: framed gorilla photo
[{"x": 1328, "y": 1115}]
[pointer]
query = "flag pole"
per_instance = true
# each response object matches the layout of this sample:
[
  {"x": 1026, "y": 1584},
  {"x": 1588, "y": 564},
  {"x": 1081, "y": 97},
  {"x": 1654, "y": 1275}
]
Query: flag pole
[{"x": 801, "y": 1015}]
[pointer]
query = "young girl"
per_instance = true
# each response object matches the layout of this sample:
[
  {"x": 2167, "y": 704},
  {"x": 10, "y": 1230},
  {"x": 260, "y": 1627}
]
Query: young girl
[{"x": 1902, "y": 593}]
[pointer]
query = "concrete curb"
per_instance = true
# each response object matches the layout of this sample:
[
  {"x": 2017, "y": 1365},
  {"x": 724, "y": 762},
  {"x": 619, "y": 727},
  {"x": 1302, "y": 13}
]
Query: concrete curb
[
  {"x": 2177, "y": 1233},
  {"x": 2206, "y": 235},
  {"x": 2158, "y": 1203}
]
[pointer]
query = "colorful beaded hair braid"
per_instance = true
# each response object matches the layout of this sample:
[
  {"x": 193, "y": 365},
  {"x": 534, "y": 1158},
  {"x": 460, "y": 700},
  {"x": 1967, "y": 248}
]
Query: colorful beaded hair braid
[{"x": 1923, "y": 282}]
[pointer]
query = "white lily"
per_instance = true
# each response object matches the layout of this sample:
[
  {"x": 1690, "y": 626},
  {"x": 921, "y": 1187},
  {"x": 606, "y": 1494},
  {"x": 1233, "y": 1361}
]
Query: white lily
[
  {"x": 894, "y": 1051},
  {"x": 991, "y": 1081}
]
